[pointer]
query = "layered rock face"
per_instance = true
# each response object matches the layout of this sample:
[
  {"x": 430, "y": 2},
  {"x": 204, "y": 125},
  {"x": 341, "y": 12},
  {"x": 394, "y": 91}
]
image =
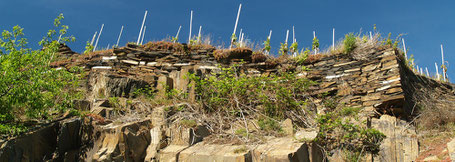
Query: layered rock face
[{"x": 373, "y": 81}]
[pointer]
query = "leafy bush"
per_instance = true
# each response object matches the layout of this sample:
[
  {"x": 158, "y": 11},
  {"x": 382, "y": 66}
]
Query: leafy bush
[
  {"x": 337, "y": 131},
  {"x": 28, "y": 85},
  {"x": 349, "y": 43},
  {"x": 315, "y": 44},
  {"x": 229, "y": 91},
  {"x": 88, "y": 48},
  {"x": 267, "y": 46},
  {"x": 283, "y": 49}
]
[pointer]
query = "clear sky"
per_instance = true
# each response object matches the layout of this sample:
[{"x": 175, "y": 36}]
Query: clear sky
[{"x": 426, "y": 24}]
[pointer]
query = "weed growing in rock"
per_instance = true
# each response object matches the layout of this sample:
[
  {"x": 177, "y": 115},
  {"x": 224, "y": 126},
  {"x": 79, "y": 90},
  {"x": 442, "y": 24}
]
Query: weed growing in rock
[{"x": 349, "y": 43}]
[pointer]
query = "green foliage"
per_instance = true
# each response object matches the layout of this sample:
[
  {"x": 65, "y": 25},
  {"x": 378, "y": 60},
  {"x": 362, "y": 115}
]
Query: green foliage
[
  {"x": 234, "y": 40},
  {"x": 147, "y": 92},
  {"x": 388, "y": 41},
  {"x": 267, "y": 46},
  {"x": 350, "y": 111},
  {"x": 294, "y": 47},
  {"x": 28, "y": 85},
  {"x": 349, "y": 43},
  {"x": 241, "y": 132},
  {"x": 283, "y": 49},
  {"x": 229, "y": 90},
  {"x": 88, "y": 48},
  {"x": 269, "y": 125},
  {"x": 174, "y": 39},
  {"x": 12, "y": 129},
  {"x": 315, "y": 44},
  {"x": 188, "y": 123},
  {"x": 302, "y": 56},
  {"x": 337, "y": 131}
]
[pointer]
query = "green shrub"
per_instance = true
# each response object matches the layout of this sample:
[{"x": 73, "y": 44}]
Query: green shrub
[
  {"x": 28, "y": 85},
  {"x": 267, "y": 46},
  {"x": 336, "y": 131},
  {"x": 283, "y": 49},
  {"x": 315, "y": 44},
  {"x": 88, "y": 48},
  {"x": 230, "y": 90},
  {"x": 349, "y": 43}
]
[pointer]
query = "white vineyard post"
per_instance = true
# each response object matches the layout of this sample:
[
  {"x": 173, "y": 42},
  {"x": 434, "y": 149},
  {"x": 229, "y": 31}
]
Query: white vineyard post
[
  {"x": 108, "y": 45},
  {"x": 143, "y": 34},
  {"x": 437, "y": 71},
  {"x": 235, "y": 26},
  {"x": 287, "y": 35},
  {"x": 93, "y": 38},
  {"x": 293, "y": 34},
  {"x": 240, "y": 37},
  {"x": 333, "y": 39},
  {"x": 405, "y": 50},
  {"x": 191, "y": 27},
  {"x": 270, "y": 35},
  {"x": 97, "y": 39},
  {"x": 443, "y": 67},
  {"x": 428, "y": 74},
  {"x": 118, "y": 40},
  {"x": 314, "y": 36},
  {"x": 142, "y": 27},
  {"x": 371, "y": 35},
  {"x": 177, "y": 35},
  {"x": 199, "y": 35}
]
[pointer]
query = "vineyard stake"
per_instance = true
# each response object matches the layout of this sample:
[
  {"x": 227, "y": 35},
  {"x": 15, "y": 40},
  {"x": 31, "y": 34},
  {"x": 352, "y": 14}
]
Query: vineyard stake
[
  {"x": 142, "y": 27},
  {"x": 97, "y": 39},
  {"x": 118, "y": 40}
]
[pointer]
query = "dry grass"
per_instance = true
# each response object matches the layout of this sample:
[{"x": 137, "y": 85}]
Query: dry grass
[
  {"x": 235, "y": 53},
  {"x": 163, "y": 45},
  {"x": 258, "y": 57},
  {"x": 175, "y": 47}
]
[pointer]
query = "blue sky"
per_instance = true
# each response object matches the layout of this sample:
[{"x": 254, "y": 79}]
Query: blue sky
[{"x": 426, "y": 24}]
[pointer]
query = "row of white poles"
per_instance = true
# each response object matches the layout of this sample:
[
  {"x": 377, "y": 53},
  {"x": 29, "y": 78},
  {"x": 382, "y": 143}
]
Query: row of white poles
[
  {"x": 419, "y": 70},
  {"x": 141, "y": 36}
]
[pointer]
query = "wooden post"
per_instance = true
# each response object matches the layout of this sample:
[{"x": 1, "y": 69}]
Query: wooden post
[
  {"x": 177, "y": 35},
  {"x": 118, "y": 40},
  {"x": 437, "y": 72},
  {"x": 191, "y": 26},
  {"x": 236, "y": 23},
  {"x": 93, "y": 38},
  {"x": 443, "y": 69},
  {"x": 143, "y": 34},
  {"x": 404, "y": 49},
  {"x": 142, "y": 27},
  {"x": 97, "y": 39}
]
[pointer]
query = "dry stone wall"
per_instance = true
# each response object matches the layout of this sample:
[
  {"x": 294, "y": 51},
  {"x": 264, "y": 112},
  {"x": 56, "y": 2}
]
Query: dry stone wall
[{"x": 377, "y": 81}]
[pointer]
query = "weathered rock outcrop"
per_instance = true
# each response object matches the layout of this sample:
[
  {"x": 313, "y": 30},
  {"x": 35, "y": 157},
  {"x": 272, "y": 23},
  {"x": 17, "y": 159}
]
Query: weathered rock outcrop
[{"x": 378, "y": 81}]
